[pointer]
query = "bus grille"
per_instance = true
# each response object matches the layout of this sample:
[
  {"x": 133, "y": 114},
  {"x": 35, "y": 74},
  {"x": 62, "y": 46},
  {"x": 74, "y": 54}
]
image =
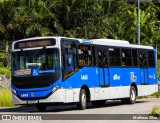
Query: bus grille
[{"x": 35, "y": 81}]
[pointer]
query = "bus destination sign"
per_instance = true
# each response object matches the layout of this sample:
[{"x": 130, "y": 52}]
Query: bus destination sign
[{"x": 35, "y": 43}]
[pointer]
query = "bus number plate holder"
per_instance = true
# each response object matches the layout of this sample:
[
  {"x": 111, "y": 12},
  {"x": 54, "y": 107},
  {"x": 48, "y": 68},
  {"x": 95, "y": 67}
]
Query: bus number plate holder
[{"x": 32, "y": 101}]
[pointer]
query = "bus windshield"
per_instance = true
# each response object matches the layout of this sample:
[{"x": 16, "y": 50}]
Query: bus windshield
[{"x": 43, "y": 60}]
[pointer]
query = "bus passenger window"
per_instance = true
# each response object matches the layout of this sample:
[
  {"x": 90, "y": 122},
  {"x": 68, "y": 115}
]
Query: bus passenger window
[
  {"x": 135, "y": 59},
  {"x": 151, "y": 59},
  {"x": 105, "y": 60},
  {"x": 85, "y": 55},
  {"x": 114, "y": 56},
  {"x": 143, "y": 60},
  {"x": 126, "y": 57},
  {"x": 100, "y": 62}
]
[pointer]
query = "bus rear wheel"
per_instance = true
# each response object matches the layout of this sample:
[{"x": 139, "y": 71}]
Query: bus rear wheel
[
  {"x": 132, "y": 98},
  {"x": 82, "y": 100},
  {"x": 41, "y": 107}
]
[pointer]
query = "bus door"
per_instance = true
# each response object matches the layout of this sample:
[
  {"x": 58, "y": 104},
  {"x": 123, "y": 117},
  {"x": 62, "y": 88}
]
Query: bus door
[
  {"x": 143, "y": 67},
  {"x": 103, "y": 66}
]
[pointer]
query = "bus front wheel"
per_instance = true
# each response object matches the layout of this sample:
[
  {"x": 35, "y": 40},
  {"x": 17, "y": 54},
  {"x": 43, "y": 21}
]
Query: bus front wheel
[
  {"x": 82, "y": 100},
  {"x": 41, "y": 107},
  {"x": 132, "y": 98}
]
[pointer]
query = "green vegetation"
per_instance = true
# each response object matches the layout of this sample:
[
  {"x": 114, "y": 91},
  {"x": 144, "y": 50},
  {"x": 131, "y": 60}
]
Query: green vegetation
[
  {"x": 158, "y": 66},
  {"x": 157, "y": 94},
  {"x": 114, "y": 19},
  {"x": 5, "y": 71},
  {"x": 5, "y": 98},
  {"x": 79, "y": 18},
  {"x": 155, "y": 110}
]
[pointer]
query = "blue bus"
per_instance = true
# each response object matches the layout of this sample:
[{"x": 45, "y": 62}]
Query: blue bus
[{"x": 51, "y": 70}]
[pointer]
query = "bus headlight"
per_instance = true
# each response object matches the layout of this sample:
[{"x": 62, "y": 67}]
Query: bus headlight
[
  {"x": 55, "y": 88},
  {"x": 14, "y": 91}
]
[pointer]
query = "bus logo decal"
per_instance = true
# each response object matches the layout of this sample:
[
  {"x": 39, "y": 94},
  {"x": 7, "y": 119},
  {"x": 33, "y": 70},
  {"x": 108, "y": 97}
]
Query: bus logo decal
[
  {"x": 116, "y": 77},
  {"x": 152, "y": 76},
  {"x": 84, "y": 77},
  {"x": 133, "y": 77},
  {"x": 32, "y": 95}
]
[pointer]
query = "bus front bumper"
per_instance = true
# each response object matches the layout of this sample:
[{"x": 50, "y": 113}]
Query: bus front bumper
[{"x": 56, "y": 97}]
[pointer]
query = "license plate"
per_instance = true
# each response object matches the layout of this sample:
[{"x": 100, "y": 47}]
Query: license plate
[{"x": 32, "y": 101}]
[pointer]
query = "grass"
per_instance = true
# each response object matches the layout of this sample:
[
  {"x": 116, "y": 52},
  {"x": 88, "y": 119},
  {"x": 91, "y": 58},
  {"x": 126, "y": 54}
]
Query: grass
[
  {"x": 154, "y": 95},
  {"x": 6, "y": 98},
  {"x": 157, "y": 94},
  {"x": 5, "y": 71},
  {"x": 155, "y": 110}
]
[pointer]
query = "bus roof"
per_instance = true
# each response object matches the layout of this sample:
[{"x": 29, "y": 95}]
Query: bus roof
[
  {"x": 45, "y": 37},
  {"x": 120, "y": 43},
  {"x": 34, "y": 38},
  {"x": 107, "y": 42}
]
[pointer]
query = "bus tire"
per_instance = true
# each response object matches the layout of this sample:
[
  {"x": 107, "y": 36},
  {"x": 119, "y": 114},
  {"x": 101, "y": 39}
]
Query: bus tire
[
  {"x": 132, "y": 98},
  {"x": 41, "y": 107},
  {"x": 99, "y": 102},
  {"x": 82, "y": 100}
]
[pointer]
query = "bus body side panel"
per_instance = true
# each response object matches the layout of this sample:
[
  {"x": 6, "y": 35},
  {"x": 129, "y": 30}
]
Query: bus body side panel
[
  {"x": 153, "y": 80},
  {"x": 120, "y": 82},
  {"x": 106, "y": 74},
  {"x": 124, "y": 76},
  {"x": 121, "y": 79},
  {"x": 86, "y": 76},
  {"x": 152, "y": 76},
  {"x": 101, "y": 76},
  {"x": 142, "y": 76}
]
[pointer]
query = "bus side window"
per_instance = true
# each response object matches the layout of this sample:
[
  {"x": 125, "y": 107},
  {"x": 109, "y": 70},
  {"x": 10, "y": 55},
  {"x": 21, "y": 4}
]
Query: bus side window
[
  {"x": 114, "y": 54},
  {"x": 93, "y": 56},
  {"x": 105, "y": 60},
  {"x": 69, "y": 51},
  {"x": 102, "y": 59},
  {"x": 85, "y": 55},
  {"x": 126, "y": 57},
  {"x": 134, "y": 57},
  {"x": 151, "y": 59},
  {"x": 100, "y": 62},
  {"x": 69, "y": 63},
  {"x": 143, "y": 60}
]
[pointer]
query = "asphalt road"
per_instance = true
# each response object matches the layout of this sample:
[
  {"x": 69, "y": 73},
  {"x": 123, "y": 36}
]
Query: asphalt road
[{"x": 142, "y": 106}]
